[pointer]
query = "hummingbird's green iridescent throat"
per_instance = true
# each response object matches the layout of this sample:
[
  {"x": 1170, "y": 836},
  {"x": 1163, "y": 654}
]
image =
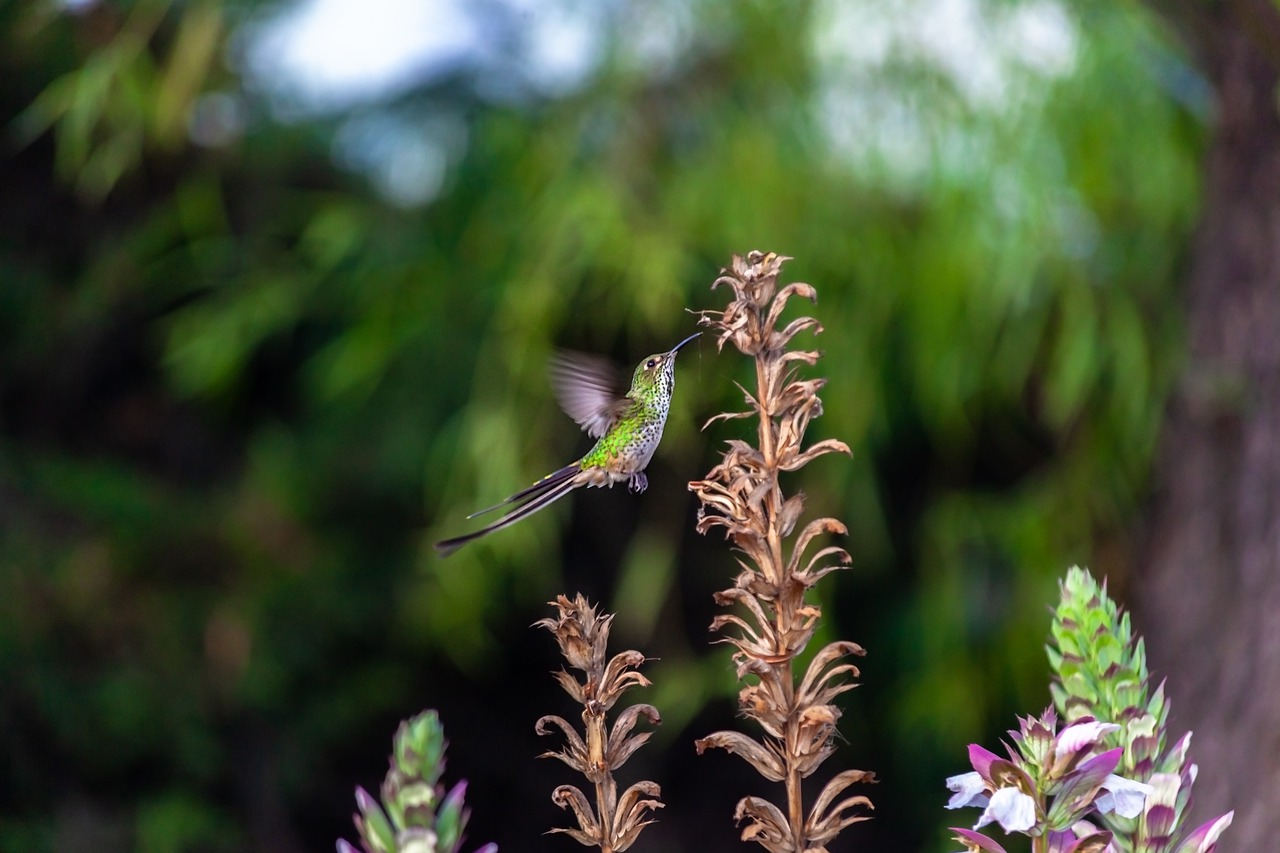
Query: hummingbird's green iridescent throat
[{"x": 627, "y": 429}]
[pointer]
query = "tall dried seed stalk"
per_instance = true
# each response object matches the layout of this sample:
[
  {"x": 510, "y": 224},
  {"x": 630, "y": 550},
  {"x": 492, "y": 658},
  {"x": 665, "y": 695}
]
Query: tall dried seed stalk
[
  {"x": 742, "y": 495},
  {"x": 615, "y": 822}
]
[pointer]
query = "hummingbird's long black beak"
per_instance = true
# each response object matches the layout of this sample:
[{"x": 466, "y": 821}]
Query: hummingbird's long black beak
[{"x": 675, "y": 349}]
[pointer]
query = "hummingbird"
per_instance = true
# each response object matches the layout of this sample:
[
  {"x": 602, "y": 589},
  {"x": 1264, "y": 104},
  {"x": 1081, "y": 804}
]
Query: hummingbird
[{"x": 627, "y": 430}]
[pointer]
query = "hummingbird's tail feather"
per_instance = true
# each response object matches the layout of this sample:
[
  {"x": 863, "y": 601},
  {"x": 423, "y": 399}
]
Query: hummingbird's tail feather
[
  {"x": 547, "y": 495},
  {"x": 548, "y": 482}
]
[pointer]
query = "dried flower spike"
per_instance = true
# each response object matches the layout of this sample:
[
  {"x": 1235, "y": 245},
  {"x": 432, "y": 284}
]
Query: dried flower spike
[
  {"x": 743, "y": 496},
  {"x": 615, "y": 822}
]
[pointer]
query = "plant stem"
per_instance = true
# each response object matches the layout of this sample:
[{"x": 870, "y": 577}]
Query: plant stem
[{"x": 781, "y": 609}]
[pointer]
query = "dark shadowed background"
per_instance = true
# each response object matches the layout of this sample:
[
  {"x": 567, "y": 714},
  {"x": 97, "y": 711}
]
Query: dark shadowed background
[{"x": 278, "y": 284}]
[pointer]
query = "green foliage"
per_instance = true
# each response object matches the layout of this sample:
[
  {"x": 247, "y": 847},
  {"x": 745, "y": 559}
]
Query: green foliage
[
  {"x": 241, "y": 392},
  {"x": 123, "y": 99},
  {"x": 177, "y": 822}
]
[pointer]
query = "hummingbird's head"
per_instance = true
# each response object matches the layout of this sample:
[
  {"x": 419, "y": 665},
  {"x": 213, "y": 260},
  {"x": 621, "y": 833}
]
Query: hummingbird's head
[{"x": 657, "y": 373}]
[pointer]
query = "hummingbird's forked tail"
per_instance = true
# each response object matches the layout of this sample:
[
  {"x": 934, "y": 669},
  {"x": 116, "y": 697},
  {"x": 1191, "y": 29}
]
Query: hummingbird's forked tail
[
  {"x": 553, "y": 479},
  {"x": 541, "y": 494}
]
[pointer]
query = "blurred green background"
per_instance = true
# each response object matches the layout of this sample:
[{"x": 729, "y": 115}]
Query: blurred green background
[{"x": 278, "y": 282}]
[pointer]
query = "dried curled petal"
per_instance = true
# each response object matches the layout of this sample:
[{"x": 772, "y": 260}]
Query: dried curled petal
[
  {"x": 826, "y": 820},
  {"x": 588, "y": 833},
  {"x": 769, "y": 827},
  {"x": 766, "y": 762}
]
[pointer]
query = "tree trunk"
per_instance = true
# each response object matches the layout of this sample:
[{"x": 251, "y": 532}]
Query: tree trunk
[{"x": 1208, "y": 590}]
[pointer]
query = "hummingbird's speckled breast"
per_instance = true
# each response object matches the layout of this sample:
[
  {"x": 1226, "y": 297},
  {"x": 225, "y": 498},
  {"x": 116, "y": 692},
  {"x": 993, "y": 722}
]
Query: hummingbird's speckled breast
[{"x": 628, "y": 447}]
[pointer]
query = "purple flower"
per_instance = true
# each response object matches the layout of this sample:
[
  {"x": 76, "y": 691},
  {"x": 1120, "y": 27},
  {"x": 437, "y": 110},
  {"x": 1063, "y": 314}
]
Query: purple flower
[
  {"x": 1079, "y": 737},
  {"x": 1205, "y": 838},
  {"x": 976, "y": 842},
  {"x": 970, "y": 790},
  {"x": 1011, "y": 808},
  {"x": 980, "y": 758},
  {"x": 1123, "y": 796}
]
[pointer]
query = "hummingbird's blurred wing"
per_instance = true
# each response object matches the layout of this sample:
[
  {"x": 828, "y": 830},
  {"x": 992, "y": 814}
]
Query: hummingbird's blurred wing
[{"x": 588, "y": 390}]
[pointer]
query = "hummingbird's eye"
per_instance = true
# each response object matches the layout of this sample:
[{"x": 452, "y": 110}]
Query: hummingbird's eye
[{"x": 651, "y": 363}]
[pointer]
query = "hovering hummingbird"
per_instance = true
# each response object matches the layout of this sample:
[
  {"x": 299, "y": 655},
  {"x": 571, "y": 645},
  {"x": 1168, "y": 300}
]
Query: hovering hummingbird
[{"x": 627, "y": 430}]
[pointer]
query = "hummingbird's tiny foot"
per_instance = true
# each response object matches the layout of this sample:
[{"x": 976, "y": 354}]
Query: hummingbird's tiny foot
[{"x": 638, "y": 483}]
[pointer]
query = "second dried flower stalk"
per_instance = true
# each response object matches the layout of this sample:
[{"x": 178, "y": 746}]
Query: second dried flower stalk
[{"x": 614, "y": 822}]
